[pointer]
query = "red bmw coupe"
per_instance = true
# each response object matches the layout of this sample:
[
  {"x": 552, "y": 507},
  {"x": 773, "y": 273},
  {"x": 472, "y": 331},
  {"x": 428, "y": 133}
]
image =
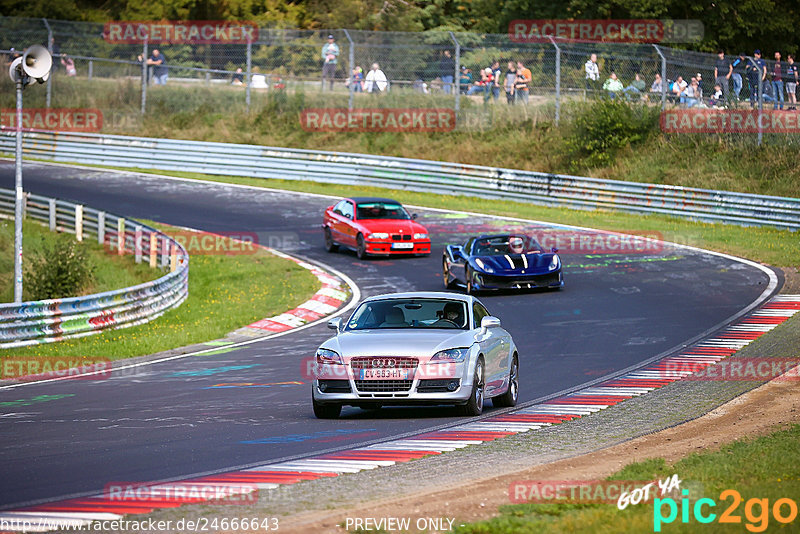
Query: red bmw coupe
[{"x": 374, "y": 226}]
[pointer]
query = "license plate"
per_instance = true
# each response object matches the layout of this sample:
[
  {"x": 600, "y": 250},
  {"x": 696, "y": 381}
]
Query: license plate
[
  {"x": 406, "y": 246},
  {"x": 383, "y": 374}
]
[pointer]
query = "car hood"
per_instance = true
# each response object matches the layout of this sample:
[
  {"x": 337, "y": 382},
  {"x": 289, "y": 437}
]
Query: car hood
[
  {"x": 394, "y": 226},
  {"x": 501, "y": 264},
  {"x": 399, "y": 342}
]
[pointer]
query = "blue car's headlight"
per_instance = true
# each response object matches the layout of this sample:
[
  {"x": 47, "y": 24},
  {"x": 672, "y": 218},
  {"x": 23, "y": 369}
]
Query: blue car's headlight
[
  {"x": 554, "y": 263},
  {"x": 327, "y": 356},
  {"x": 483, "y": 266},
  {"x": 450, "y": 355}
]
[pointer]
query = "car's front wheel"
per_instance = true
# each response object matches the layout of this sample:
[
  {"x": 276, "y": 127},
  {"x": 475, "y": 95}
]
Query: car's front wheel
[
  {"x": 470, "y": 286},
  {"x": 474, "y": 405},
  {"x": 446, "y": 276},
  {"x": 509, "y": 398},
  {"x": 327, "y": 411},
  {"x": 361, "y": 247}
]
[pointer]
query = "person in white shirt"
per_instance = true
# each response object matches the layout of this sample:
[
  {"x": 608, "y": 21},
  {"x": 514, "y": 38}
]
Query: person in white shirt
[
  {"x": 592, "y": 73},
  {"x": 376, "y": 81}
]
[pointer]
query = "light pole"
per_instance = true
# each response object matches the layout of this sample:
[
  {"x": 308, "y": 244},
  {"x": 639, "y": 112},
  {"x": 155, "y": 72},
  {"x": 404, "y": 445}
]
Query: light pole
[{"x": 34, "y": 64}]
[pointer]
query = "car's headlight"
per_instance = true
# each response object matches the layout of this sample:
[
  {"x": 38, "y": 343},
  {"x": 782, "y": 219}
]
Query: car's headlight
[
  {"x": 450, "y": 355},
  {"x": 483, "y": 266},
  {"x": 379, "y": 235},
  {"x": 327, "y": 356},
  {"x": 553, "y": 263},
  {"x": 420, "y": 236}
]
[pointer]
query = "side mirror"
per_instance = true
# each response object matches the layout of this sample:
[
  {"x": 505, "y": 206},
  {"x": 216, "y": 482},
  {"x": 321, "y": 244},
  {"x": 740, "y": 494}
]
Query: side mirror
[
  {"x": 554, "y": 250},
  {"x": 489, "y": 322},
  {"x": 413, "y": 215},
  {"x": 335, "y": 324}
]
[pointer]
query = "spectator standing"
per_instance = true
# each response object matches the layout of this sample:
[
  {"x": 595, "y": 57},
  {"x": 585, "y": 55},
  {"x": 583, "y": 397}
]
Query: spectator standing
[
  {"x": 330, "y": 57},
  {"x": 791, "y": 81},
  {"x": 447, "y": 67},
  {"x": 510, "y": 80},
  {"x": 777, "y": 81},
  {"x": 376, "y": 81},
  {"x": 612, "y": 85},
  {"x": 496, "y": 74},
  {"x": 699, "y": 78},
  {"x": 524, "y": 77},
  {"x": 756, "y": 74},
  {"x": 592, "y": 73},
  {"x": 158, "y": 64},
  {"x": 739, "y": 66},
  {"x": 722, "y": 73}
]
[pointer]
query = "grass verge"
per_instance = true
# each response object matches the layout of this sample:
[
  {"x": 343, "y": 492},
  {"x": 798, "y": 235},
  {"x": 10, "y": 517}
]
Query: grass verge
[
  {"x": 225, "y": 293},
  {"x": 764, "y": 468},
  {"x": 760, "y": 244},
  {"x": 109, "y": 271}
]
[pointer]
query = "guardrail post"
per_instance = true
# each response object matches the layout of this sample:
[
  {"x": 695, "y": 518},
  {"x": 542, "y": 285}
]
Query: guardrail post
[
  {"x": 164, "y": 251},
  {"x": 120, "y": 236},
  {"x": 457, "y": 73},
  {"x": 101, "y": 227},
  {"x": 52, "y": 205},
  {"x": 79, "y": 222},
  {"x": 173, "y": 259},
  {"x": 91, "y": 69},
  {"x": 137, "y": 232},
  {"x": 153, "y": 249}
]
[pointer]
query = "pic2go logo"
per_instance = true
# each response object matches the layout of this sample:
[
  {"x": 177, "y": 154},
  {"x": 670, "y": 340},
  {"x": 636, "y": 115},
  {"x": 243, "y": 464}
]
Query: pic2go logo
[{"x": 756, "y": 511}]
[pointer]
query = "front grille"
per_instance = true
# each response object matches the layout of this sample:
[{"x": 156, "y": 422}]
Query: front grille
[
  {"x": 383, "y": 386},
  {"x": 401, "y": 237},
  {"x": 383, "y": 362}
]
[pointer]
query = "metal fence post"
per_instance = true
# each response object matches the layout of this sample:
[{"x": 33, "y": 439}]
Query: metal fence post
[
  {"x": 91, "y": 68},
  {"x": 144, "y": 76},
  {"x": 352, "y": 60},
  {"x": 164, "y": 251},
  {"x": 663, "y": 78},
  {"x": 760, "y": 97},
  {"x": 50, "y": 49},
  {"x": 249, "y": 73},
  {"x": 52, "y": 205},
  {"x": 101, "y": 227},
  {"x": 153, "y": 249},
  {"x": 79, "y": 222},
  {"x": 558, "y": 79},
  {"x": 457, "y": 73},
  {"x": 137, "y": 245},
  {"x": 120, "y": 236}
]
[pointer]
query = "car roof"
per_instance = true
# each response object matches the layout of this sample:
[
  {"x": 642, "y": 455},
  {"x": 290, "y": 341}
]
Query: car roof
[
  {"x": 424, "y": 295},
  {"x": 359, "y": 200}
]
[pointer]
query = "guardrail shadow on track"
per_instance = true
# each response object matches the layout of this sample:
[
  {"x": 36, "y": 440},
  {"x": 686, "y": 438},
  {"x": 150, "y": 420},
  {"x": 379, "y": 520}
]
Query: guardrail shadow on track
[{"x": 45, "y": 321}]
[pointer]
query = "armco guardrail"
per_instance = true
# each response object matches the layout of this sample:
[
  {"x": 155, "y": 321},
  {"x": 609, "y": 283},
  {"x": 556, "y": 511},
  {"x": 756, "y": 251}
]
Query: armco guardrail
[
  {"x": 412, "y": 174},
  {"x": 45, "y": 321}
]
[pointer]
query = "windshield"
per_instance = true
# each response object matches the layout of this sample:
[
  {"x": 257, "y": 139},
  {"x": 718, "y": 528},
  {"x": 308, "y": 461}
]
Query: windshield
[
  {"x": 506, "y": 244},
  {"x": 381, "y": 210},
  {"x": 410, "y": 313}
]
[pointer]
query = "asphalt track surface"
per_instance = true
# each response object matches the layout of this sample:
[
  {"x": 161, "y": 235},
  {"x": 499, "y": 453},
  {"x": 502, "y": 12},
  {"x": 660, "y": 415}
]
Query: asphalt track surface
[{"x": 173, "y": 419}]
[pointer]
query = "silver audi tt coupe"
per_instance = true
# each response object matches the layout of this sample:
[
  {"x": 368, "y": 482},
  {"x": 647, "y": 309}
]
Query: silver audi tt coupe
[{"x": 416, "y": 348}]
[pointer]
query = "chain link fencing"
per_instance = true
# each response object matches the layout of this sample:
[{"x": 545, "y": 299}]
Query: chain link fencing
[{"x": 467, "y": 72}]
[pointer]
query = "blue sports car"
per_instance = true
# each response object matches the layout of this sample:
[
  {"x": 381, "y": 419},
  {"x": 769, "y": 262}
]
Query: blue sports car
[{"x": 501, "y": 261}]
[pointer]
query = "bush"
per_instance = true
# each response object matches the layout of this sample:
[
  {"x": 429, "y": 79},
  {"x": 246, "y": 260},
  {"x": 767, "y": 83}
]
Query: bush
[
  {"x": 60, "y": 270},
  {"x": 598, "y": 131}
]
